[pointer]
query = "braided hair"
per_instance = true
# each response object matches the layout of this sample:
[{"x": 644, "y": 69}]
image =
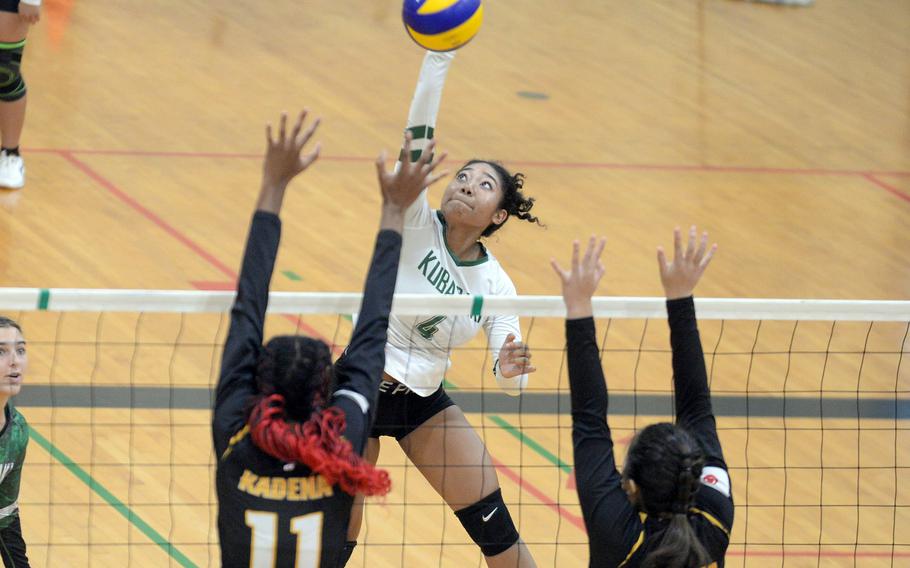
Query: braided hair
[
  {"x": 288, "y": 419},
  {"x": 665, "y": 462},
  {"x": 513, "y": 200}
]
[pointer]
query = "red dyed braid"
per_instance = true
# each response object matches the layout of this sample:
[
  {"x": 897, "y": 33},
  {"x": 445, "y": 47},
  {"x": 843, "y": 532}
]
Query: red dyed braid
[{"x": 316, "y": 443}]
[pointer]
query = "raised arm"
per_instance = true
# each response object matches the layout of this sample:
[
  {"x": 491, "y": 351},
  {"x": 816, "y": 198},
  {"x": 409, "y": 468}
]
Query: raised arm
[
  {"x": 422, "y": 123},
  {"x": 690, "y": 379},
  {"x": 426, "y": 100},
  {"x": 360, "y": 371},
  {"x": 236, "y": 382},
  {"x": 610, "y": 518}
]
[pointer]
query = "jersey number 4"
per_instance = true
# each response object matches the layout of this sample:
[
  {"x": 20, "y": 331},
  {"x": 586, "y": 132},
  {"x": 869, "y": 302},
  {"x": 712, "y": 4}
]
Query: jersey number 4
[
  {"x": 264, "y": 543},
  {"x": 428, "y": 328}
]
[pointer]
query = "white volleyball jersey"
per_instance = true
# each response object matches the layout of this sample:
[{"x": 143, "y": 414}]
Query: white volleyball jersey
[{"x": 417, "y": 352}]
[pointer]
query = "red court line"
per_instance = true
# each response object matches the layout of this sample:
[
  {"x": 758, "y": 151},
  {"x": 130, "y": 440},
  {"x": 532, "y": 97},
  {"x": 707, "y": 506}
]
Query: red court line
[
  {"x": 538, "y": 494},
  {"x": 527, "y": 163},
  {"x": 172, "y": 231},
  {"x": 887, "y": 187},
  {"x": 148, "y": 214}
]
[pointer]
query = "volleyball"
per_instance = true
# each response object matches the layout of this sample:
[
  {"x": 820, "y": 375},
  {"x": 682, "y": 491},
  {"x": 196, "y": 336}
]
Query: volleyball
[{"x": 442, "y": 25}]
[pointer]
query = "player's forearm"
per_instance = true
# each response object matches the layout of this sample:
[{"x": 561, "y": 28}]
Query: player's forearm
[
  {"x": 365, "y": 357},
  {"x": 690, "y": 377},
  {"x": 271, "y": 196},
  {"x": 427, "y": 97},
  {"x": 392, "y": 219},
  {"x": 586, "y": 378}
]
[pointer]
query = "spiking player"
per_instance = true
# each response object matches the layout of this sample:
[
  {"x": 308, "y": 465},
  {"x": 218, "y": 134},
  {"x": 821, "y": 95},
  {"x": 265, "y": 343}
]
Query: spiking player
[{"x": 443, "y": 254}]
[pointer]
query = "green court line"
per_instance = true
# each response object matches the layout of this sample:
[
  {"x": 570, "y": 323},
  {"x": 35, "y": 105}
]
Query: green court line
[
  {"x": 292, "y": 275},
  {"x": 534, "y": 445},
  {"x": 111, "y": 499},
  {"x": 521, "y": 436}
]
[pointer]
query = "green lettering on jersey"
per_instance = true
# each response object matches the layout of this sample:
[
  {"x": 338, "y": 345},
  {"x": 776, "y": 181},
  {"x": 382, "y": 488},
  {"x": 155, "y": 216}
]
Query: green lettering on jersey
[{"x": 428, "y": 328}]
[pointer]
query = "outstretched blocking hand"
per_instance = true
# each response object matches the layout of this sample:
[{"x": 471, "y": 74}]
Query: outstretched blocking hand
[
  {"x": 401, "y": 186},
  {"x": 581, "y": 280},
  {"x": 680, "y": 276},
  {"x": 283, "y": 158}
]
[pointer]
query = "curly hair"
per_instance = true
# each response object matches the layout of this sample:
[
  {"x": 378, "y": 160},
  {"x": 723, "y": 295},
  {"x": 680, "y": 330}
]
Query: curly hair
[{"x": 513, "y": 200}]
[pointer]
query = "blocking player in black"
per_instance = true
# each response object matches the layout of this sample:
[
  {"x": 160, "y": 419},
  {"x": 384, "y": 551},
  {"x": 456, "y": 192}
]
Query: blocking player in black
[
  {"x": 671, "y": 506},
  {"x": 289, "y": 427}
]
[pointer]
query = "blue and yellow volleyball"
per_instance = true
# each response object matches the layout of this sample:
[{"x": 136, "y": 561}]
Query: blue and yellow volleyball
[{"x": 442, "y": 25}]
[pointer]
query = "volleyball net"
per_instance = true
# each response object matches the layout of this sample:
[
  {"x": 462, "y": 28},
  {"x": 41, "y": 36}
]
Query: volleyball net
[{"x": 810, "y": 397}]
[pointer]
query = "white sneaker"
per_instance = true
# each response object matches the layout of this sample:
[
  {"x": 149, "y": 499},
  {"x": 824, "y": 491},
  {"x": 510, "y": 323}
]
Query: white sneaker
[{"x": 12, "y": 171}]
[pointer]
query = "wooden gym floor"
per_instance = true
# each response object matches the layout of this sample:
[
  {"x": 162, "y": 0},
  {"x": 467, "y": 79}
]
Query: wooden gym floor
[{"x": 783, "y": 131}]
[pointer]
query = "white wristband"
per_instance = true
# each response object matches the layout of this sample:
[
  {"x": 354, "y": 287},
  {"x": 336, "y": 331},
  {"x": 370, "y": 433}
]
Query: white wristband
[{"x": 31, "y": 2}]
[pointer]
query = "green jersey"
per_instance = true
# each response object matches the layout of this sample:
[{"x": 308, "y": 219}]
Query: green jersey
[{"x": 13, "y": 441}]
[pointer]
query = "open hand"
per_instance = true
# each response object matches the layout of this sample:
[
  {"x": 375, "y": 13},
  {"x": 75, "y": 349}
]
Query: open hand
[
  {"x": 283, "y": 158},
  {"x": 402, "y": 186},
  {"x": 680, "y": 276},
  {"x": 580, "y": 282},
  {"x": 514, "y": 358}
]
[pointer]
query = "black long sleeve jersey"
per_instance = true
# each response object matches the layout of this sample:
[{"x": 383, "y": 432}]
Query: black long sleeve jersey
[
  {"x": 270, "y": 513},
  {"x": 618, "y": 533}
]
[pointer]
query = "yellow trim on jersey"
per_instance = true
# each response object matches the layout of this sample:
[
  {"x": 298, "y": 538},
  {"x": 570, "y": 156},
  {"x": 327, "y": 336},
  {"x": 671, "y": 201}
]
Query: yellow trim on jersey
[
  {"x": 711, "y": 519},
  {"x": 641, "y": 539},
  {"x": 235, "y": 439}
]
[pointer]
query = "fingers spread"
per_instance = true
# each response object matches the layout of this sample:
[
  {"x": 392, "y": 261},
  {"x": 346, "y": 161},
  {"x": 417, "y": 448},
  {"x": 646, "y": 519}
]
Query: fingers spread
[
  {"x": 563, "y": 275},
  {"x": 705, "y": 261},
  {"x": 308, "y": 159},
  {"x": 600, "y": 249},
  {"x": 677, "y": 243},
  {"x": 702, "y": 246},
  {"x": 307, "y": 134},
  {"x": 299, "y": 124},
  {"x": 380, "y": 164},
  {"x": 282, "y": 128},
  {"x": 690, "y": 247}
]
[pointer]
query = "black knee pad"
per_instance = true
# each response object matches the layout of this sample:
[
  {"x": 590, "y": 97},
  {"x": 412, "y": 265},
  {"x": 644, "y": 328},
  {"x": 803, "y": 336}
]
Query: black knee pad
[
  {"x": 489, "y": 524},
  {"x": 12, "y": 85}
]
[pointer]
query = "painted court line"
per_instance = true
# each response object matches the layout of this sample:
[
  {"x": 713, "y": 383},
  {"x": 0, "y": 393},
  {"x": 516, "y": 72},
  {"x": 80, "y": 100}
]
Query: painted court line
[
  {"x": 868, "y": 175},
  {"x": 111, "y": 499},
  {"x": 538, "y": 494},
  {"x": 887, "y": 187},
  {"x": 529, "y": 163},
  {"x": 172, "y": 231}
]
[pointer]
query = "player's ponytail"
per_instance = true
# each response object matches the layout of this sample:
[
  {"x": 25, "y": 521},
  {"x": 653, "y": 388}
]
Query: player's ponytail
[
  {"x": 665, "y": 462},
  {"x": 288, "y": 421},
  {"x": 514, "y": 201}
]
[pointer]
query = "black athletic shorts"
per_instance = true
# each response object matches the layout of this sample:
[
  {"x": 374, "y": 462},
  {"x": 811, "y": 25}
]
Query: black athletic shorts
[
  {"x": 9, "y": 6},
  {"x": 400, "y": 410},
  {"x": 12, "y": 547}
]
